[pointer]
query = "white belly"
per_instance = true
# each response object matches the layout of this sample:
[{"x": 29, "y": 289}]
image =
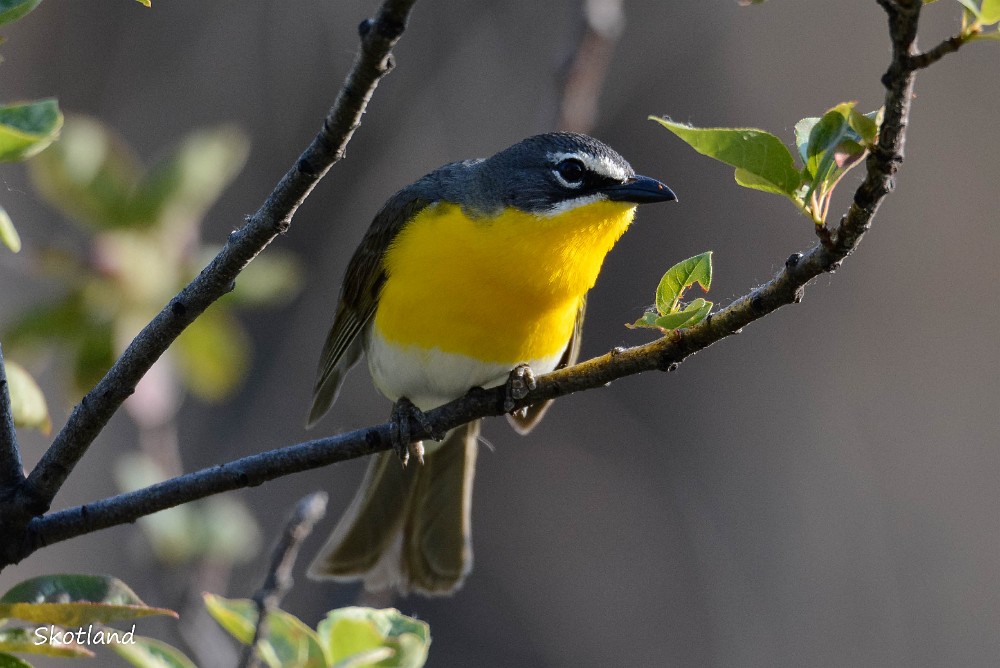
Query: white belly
[{"x": 430, "y": 378}]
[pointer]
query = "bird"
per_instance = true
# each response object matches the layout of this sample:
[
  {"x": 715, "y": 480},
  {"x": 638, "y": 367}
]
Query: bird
[{"x": 477, "y": 272}]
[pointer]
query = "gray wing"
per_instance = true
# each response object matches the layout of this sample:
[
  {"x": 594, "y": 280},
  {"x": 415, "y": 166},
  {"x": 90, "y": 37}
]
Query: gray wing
[{"x": 359, "y": 299}]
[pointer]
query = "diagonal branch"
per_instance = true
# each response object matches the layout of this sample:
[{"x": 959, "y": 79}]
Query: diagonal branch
[
  {"x": 786, "y": 287},
  {"x": 373, "y": 61}
]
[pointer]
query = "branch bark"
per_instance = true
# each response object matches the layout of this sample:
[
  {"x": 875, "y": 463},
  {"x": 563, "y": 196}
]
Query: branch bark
[
  {"x": 373, "y": 61},
  {"x": 786, "y": 287},
  {"x": 11, "y": 470},
  {"x": 308, "y": 512}
]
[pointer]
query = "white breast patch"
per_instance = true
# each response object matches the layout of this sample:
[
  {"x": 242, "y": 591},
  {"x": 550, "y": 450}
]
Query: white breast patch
[{"x": 430, "y": 378}]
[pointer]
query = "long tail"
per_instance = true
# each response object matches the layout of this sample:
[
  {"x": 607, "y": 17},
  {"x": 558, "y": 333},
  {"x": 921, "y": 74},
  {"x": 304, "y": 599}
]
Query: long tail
[{"x": 408, "y": 528}]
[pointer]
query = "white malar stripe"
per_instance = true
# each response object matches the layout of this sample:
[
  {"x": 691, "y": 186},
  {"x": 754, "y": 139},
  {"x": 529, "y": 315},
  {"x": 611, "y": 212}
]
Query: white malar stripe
[
  {"x": 430, "y": 378},
  {"x": 570, "y": 204}
]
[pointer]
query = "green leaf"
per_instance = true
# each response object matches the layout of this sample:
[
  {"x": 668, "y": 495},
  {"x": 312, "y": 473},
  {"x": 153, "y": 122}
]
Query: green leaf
[
  {"x": 28, "y": 127},
  {"x": 148, "y": 3},
  {"x": 865, "y": 125},
  {"x": 27, "y": 402},
  {"x": 970, "y": 5},
  {"x": 803, "y": 129},
  {"x": 828, "y": 136},
  {"x": 676, "y": 320},
  {"x": 12, "y": 10},
  {"x": 8, "y": 661},
  {"x": 8, "y": 234},
  {"x": 75, "y": 600},
  {"x": 213, "y": 355},
  {"x": 648, "y": 319},
  {"x": 761, "y": 160},
  {"x": 371, "y": 657},
  {"x": 237, "y": 616},
  {"x": 151, "y": 653},
  {"x": 690, "y": 316},
  {"x": 21, "y": 641},
  {"x": 351, "y": 633},
  {"x": 680, "y": 277},
  {"x": 348, "y": 637},
  {"x": 989, "y": 12},
  {"x": 289, "y": 642},
  {"x": 836, "y": 142}
]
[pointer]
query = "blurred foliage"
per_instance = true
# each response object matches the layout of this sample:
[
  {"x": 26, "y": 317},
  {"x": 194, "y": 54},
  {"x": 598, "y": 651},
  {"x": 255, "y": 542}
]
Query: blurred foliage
[
  {"x": 146, "y": 247},
  {"x": 12, "y": 10},
  {"x": 351, "y": 637},
  {"x": 217, "y": 529}
]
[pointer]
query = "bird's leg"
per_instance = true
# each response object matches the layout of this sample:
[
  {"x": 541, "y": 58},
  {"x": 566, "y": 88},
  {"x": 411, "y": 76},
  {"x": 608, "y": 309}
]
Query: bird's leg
[
  {"x": 404, "y": 414},
  {"x": 520, "y": 382}
]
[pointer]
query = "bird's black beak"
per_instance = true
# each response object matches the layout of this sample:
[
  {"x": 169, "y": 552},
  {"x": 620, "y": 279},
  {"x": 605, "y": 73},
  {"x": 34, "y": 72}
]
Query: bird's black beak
[{"x": 641, "y": 190}]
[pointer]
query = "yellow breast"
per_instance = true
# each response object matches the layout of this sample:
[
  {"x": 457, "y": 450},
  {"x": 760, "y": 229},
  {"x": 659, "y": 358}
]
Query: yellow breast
[{"x": 501, "y": 290}]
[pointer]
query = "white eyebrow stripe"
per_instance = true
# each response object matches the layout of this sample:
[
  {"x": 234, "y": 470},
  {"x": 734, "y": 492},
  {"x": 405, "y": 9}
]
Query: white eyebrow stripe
[{"x": 598, "y": 164}]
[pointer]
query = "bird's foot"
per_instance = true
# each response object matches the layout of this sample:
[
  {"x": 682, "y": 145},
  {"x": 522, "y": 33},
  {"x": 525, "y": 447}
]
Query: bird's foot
[
  {"x": 520, "y": 383},
  {"x": 404, "y": 415}
]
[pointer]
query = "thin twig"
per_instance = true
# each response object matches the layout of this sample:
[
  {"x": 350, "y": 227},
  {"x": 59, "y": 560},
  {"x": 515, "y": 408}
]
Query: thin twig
[
  {"x": 950, "y": 45},
  {"x": 786, "y": 287},
  {"x": 308, "y": 512},
  {"x": 373, "y": 61},
  {"x": 11, "y": 469}
]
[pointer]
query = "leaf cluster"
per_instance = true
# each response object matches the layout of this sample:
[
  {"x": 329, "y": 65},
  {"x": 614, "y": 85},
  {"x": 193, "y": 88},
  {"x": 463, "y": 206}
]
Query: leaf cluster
[
  {"x": 41, "y": 616},
  {"x": 56, "y": 606},
  {"x": 145, "y": 229},
  {"x": 828, "y": 146},
  {"x": 669, "y": 312},
  {"x": 351, "y": 637}
]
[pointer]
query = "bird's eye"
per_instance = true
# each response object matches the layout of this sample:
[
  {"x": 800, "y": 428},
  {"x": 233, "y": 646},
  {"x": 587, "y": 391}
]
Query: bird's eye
[{"x": 571, "y": 171}]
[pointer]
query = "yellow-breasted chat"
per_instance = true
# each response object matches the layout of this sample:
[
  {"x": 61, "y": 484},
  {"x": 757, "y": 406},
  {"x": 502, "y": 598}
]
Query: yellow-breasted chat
[{"x": 479, "y": 267}]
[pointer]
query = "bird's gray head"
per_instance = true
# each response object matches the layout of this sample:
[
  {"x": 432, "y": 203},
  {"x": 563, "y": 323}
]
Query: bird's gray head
[{"x": 547, "y": 174}]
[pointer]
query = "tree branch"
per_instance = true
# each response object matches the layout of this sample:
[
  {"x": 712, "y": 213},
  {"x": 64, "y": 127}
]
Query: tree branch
[
  {"x": 373, "y": 61},
  {"x": 11, "y": 469},
  {"x": 308, "y": 512},
  {"x": 928, "y": 58},
  {"x": 665, "y": 354}
]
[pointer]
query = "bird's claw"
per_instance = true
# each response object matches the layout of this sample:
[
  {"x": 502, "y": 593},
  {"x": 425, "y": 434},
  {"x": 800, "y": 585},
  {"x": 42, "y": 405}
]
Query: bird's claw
[
  {"x": 404, "y": 415},
  {"x": 520, "y": 382}
]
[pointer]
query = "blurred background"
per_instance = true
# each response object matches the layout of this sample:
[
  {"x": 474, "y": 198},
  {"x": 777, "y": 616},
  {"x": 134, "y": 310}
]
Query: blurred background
[{"x": 820, "y": 490}]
